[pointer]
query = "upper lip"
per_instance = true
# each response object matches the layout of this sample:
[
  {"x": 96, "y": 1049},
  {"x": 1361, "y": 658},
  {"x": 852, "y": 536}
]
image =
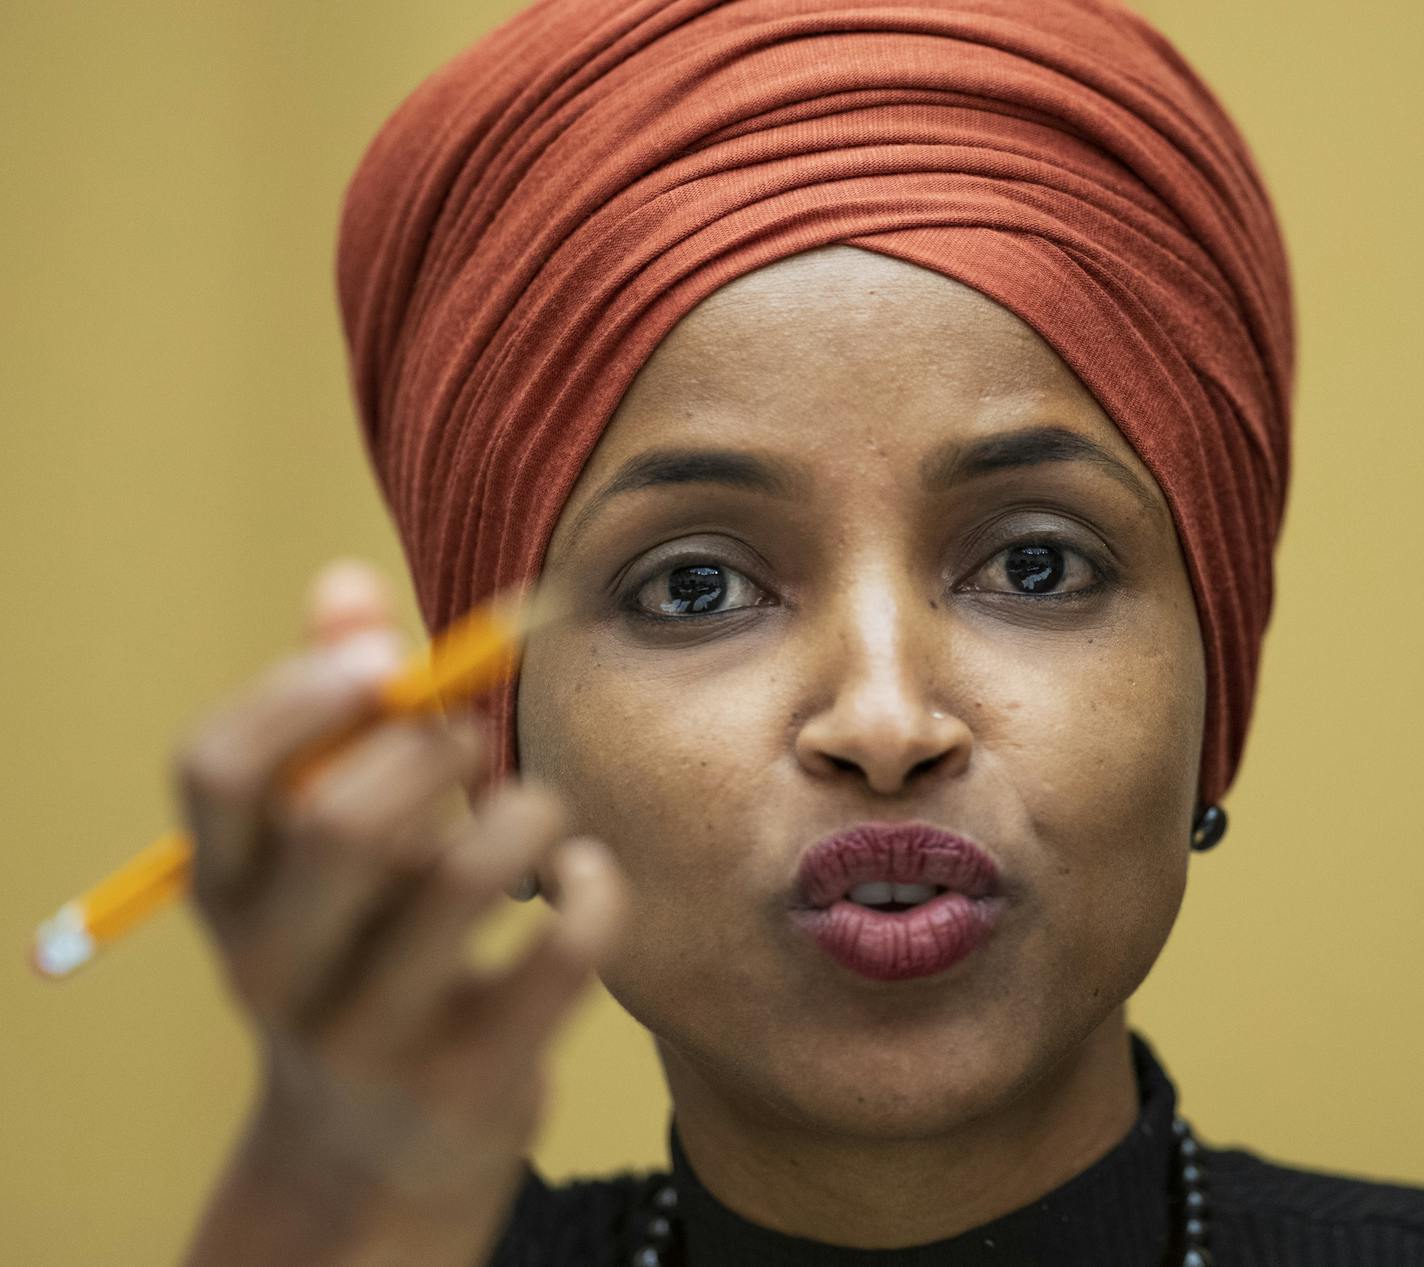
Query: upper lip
[{"x": 900, "y": 852}]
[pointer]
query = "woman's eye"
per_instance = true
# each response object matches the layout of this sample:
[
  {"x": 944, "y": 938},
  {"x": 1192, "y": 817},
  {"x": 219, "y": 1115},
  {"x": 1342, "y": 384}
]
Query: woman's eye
[
  {"x": 1041, "y": 569},
  {"x": 695, "y": 589}
]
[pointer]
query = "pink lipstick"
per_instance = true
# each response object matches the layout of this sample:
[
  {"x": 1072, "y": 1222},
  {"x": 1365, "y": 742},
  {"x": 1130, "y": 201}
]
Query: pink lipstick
[{"x": 932, "y": 898}]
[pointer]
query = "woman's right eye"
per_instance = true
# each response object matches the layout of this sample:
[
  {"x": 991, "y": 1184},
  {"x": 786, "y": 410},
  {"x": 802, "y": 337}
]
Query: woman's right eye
[{"x": 695, "y": 589}]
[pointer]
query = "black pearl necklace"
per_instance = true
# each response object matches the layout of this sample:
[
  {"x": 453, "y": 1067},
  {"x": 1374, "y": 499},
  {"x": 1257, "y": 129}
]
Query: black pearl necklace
[{"x": 658, "y": 1232}]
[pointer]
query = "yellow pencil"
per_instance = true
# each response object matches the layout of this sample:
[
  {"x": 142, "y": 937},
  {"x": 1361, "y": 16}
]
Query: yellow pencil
[{"x": 475, "y": 652}]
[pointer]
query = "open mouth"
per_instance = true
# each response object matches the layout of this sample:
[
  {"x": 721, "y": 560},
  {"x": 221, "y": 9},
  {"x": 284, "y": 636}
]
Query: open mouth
[
  {"x": 883, "y": 895},
  {"x": 895, "y": 900}
]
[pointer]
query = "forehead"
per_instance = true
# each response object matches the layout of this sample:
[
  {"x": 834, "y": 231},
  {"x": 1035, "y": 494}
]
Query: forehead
[
  {"x": 840, "y": 350},
  {"x": 866, "y": 333},
  {"x": 836, "y": 302}
]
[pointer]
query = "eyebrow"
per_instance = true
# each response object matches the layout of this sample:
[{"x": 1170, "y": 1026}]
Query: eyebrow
[
  {"x": 1034, "y": 446},
  {"x": 951, "y": 463}
]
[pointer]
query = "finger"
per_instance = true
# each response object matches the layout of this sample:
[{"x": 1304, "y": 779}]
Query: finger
[
  {"x": 528, "y": 1000},
  {"x": 402, "y": 995},
  {"x": 363, "y": 798},
  {"x": 346, "y": 596},
  {"x": 231, "y": 761},
  {"x": 353, "y": 841}
]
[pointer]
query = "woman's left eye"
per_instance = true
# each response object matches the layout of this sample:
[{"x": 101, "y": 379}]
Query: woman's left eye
[
  {"x": 1042, "y": 568},
  {"x": 695, "y": 589}
]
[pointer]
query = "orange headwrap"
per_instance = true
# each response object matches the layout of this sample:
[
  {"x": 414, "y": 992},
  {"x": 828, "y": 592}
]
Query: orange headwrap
[{"x": 540, "y": 212}]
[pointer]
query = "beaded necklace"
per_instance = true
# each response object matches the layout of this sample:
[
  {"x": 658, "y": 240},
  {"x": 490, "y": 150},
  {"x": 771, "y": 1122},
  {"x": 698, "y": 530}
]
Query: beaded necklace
[{"x": 658, "y": 1238}]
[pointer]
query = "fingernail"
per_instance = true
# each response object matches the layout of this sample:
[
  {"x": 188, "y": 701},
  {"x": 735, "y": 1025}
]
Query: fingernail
[
  {"x": 347, "y": 582},
  {"x": 370, "y": 654}
]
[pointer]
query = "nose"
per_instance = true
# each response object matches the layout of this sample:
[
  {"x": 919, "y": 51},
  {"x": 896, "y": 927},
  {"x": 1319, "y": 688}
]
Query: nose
[{"x": 881, "y": 721}]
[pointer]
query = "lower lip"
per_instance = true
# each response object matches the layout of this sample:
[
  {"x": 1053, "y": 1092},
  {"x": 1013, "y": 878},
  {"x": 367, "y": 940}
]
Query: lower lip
[{"x": 898, "y": 945}]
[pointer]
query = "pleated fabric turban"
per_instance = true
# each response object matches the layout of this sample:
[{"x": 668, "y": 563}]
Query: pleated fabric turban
[{"x": 543, "y": 209}]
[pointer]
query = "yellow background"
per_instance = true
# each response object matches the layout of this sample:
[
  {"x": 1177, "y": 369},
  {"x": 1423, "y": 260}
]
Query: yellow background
[{"x": 179, "y": 455}]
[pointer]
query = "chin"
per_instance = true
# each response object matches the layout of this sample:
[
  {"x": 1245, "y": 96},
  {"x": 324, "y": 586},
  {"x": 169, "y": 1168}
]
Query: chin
[
  {"x": 875, "y": 1082},
  {"x": 850, "y": 1103},
  {"x": 893, "y": 1084}
]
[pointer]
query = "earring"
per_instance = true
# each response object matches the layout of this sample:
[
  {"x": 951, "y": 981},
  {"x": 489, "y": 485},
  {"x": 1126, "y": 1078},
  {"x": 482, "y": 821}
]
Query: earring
[
  {"x": 526, "y": 888},
  {"x": 1209, "y": 829}
]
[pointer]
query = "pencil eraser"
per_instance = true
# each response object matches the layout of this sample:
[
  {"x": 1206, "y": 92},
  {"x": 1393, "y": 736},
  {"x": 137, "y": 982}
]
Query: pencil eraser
[{"x": 62, "y": 943}]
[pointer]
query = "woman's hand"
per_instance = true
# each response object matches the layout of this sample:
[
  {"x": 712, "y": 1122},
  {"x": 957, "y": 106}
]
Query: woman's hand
[{"x": 400, "y": 1087}]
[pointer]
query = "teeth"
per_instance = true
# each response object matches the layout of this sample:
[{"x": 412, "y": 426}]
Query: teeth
[
  {"x": 913, "y": 893},
  {"x": 881, "y": 892},
  {"x": 876, "y": 894}
]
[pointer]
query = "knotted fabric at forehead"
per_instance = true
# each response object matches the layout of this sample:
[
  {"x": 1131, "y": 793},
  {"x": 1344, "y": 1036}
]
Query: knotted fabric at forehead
[{"x": 541, "y": 211}]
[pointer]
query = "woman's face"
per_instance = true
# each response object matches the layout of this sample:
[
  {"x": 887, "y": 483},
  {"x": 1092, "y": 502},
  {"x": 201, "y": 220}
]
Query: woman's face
[{"x": 896, "y": 623}]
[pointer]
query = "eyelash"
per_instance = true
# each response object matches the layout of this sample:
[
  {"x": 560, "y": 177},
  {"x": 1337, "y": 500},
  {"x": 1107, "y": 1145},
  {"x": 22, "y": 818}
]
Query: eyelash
[{"x": 1103, "y": 574}]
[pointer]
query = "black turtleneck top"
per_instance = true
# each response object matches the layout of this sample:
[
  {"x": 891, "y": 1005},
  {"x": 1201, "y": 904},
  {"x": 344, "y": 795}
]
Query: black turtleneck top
[{"x": 1119, "y": 1212}]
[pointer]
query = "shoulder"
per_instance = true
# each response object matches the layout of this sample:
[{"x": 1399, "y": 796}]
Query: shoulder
[
  {"x": 1293, "y": 1214},
  {"x": 583, "y": 1221}
]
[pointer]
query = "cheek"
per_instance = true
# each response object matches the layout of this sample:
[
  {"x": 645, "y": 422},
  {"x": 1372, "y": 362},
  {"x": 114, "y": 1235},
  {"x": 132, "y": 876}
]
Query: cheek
[
  {"x": 1101, "y": 756},
  {"x": 663, "y": 764},
  {"x": 657, "y": 759},
  {"x": 1107, "y": 728}
]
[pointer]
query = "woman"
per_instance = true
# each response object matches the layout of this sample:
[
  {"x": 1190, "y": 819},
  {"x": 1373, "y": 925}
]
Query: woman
[{"x": 902, "y": 393}]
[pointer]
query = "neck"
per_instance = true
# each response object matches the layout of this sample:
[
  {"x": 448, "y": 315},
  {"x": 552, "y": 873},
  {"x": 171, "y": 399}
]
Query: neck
[{"x": 868, "y": 1194}]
